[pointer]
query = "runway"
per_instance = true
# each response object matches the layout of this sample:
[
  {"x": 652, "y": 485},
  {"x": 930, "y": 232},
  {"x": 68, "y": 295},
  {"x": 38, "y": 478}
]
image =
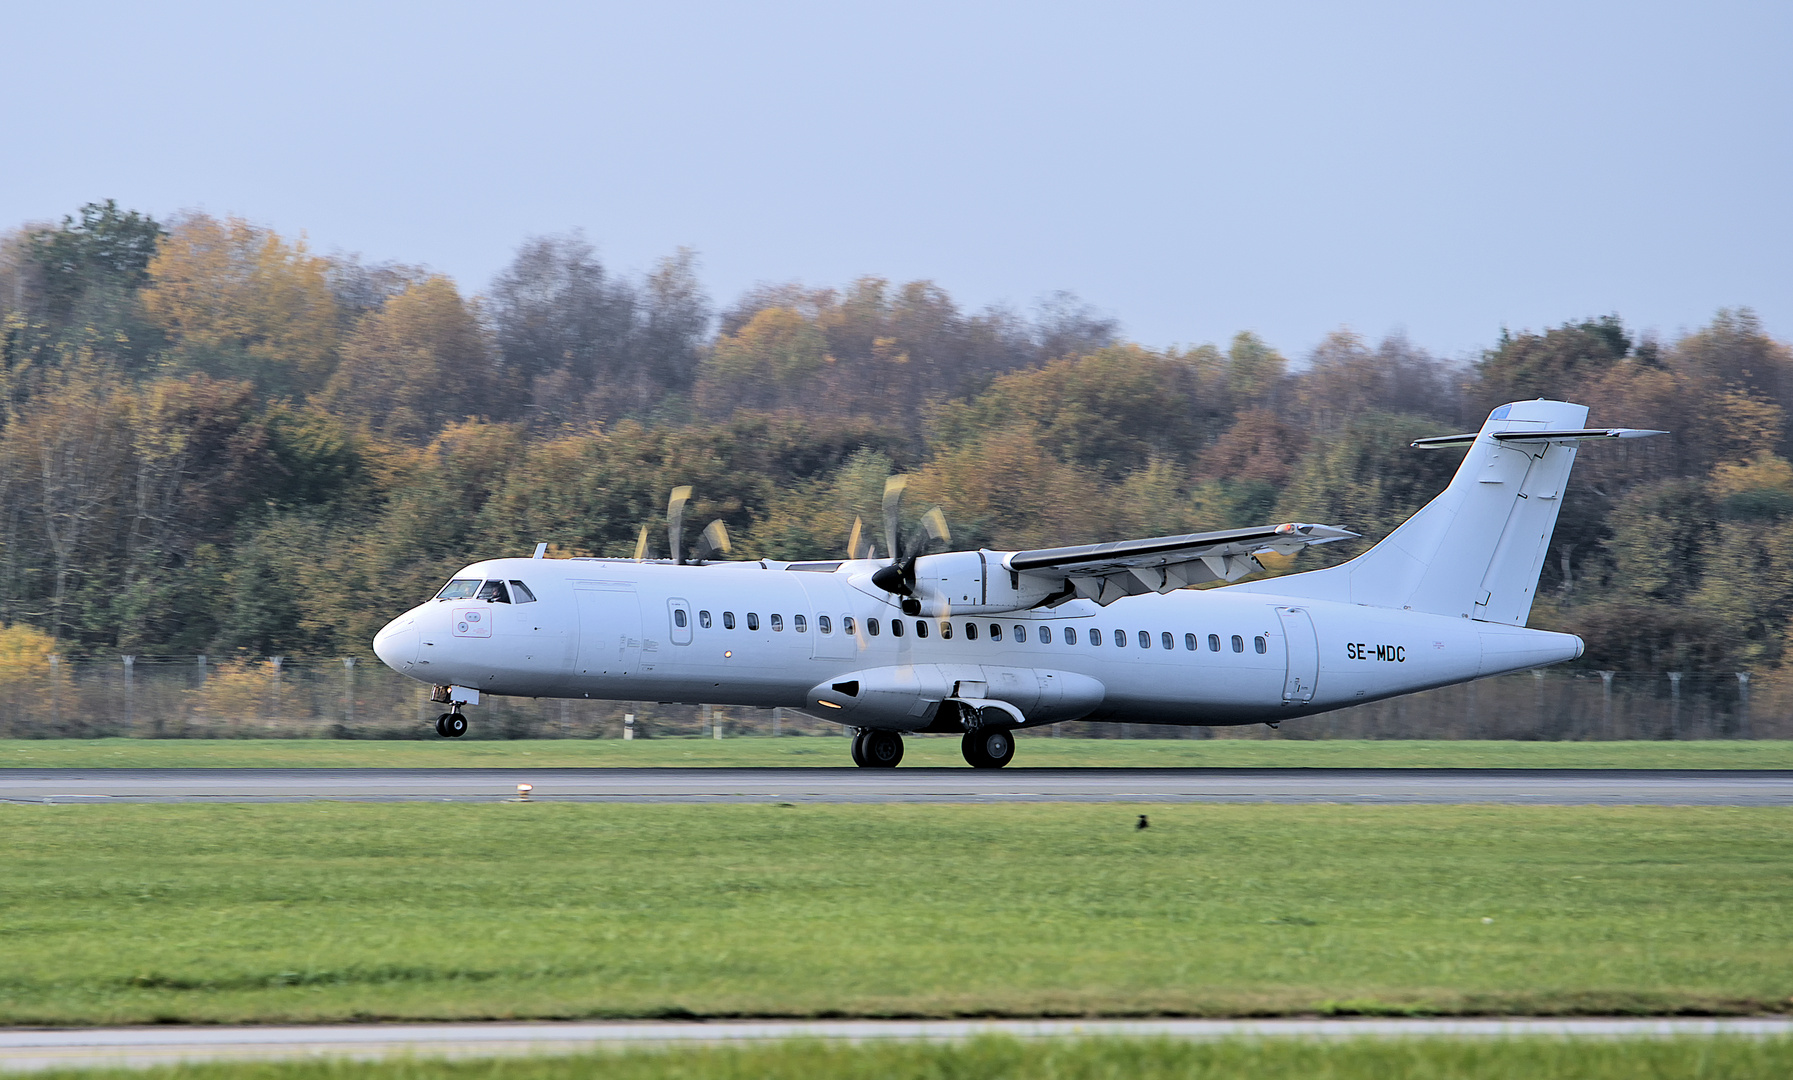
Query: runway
[
  {"x": 1543, "y": 787},
  {"x": 23, "y": 1050}
]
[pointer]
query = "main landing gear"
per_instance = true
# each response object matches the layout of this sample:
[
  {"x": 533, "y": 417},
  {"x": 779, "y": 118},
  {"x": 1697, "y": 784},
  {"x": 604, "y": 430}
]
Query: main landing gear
[
  {"x": 451, "y": 725},
  {"x": 988, "y": 747},
  {"x": 873, "y": 749}
]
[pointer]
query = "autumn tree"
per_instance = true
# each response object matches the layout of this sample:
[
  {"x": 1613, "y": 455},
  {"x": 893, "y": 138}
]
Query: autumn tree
[
  {"x": 238, "y": 301},
  {"x": 419, "y": 362}
]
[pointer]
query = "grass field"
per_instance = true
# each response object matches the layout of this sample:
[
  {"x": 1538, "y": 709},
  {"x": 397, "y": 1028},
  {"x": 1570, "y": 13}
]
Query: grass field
[
  {"x": 128, "y": 914},
  {"x": 1005, "y": 1059},
  {"x": 1035, "y": 751}
]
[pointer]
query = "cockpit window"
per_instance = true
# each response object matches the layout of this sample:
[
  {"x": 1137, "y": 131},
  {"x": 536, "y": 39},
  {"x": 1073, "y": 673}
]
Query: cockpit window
[
  {"x": 459, "y": 589},
  {"x": 495, "y": 592},
  {"x": 521, "y": 594}
]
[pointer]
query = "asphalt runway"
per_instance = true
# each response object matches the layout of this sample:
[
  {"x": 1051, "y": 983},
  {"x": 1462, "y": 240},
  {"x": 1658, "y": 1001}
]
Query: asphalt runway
[
  {"x": 1544, "y": 787},
  {"x": 25, "y": 1050}
]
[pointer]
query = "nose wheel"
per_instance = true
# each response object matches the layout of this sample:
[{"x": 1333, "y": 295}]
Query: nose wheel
[
  {"x": 451, "y": 725},
  {"x": 877, "y": 749}
]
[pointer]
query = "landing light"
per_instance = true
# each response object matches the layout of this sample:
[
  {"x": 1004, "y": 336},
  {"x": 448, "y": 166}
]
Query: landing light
[{"x": 829, "y": 704}]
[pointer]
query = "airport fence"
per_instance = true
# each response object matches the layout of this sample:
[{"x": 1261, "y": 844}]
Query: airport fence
[{"x": 283, "y": 697}]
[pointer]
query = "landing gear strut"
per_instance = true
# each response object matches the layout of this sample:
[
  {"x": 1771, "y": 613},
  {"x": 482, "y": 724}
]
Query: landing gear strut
[
  {"x": 988, "y": 747},
  {"x": 877, "y": 749},
  {"x": 451, "y": 725}
]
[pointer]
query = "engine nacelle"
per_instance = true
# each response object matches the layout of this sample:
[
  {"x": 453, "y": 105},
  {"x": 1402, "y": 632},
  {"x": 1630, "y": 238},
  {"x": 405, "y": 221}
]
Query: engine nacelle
[{"x": 974, "y": 583}]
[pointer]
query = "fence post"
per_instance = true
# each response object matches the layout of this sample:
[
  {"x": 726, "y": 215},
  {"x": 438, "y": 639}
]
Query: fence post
[
  {"x": 706, "y": 720},
  {"x": 777, "y": 721},
  {"x": 1743, "y": 704},
  {"x": 348, "y": 690},
  {"x": 130, "y": 694},
  {"x": 628, "y": 726},
  {"x": 1538, "y": 684},
  {"x": 1674, "y": 708},
  {"x": 1606, "y": 703},
  {"x": 274, "y": 712},
  {"x": 56, "y": 692}
]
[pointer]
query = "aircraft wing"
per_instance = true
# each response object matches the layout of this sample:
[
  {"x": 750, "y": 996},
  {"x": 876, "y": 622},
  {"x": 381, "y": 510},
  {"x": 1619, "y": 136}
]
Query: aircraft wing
[{"x": 1106, "y": 572}]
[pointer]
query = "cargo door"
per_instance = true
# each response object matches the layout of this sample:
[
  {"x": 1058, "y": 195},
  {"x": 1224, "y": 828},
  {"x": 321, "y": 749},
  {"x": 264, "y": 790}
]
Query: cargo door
[
  {"x": 609, "y": 628},
  {"x": 827, "y": 600},
  {"x": 1304, "y": 655}
]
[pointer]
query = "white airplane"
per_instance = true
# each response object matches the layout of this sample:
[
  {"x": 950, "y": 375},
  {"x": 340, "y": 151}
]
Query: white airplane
[{"x": 982, "y": 643}]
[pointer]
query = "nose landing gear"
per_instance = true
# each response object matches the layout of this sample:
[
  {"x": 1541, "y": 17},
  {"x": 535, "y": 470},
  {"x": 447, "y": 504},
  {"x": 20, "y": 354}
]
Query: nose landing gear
[
  {"x": 451, "y": 725},
  {"x": 877, "y": 749}
]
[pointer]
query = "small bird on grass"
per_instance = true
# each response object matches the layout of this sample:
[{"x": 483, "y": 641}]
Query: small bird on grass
[{"x": 1143, "y": 823}]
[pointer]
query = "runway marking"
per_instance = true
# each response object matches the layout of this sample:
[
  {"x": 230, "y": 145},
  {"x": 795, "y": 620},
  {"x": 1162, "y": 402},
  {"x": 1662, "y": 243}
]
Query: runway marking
[
  {"x": 721, "y": 786},
  {"x": 28, "y": 1051}
]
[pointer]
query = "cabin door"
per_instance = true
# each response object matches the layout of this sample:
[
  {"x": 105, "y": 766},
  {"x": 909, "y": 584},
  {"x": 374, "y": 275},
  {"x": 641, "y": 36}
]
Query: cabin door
[
  {"x": 827, "y": 600},
  {"x": 1304, "y": 655}
]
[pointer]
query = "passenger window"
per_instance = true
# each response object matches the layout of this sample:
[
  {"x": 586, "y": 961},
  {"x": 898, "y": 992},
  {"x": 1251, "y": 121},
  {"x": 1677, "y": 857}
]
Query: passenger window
[
  {"x": 1145, "y": 640},
  {"x": 896, "y": 628},
  {"x": 846, "y": 625},
  {"x": 1021, "y": 634},
  {"x": 1070, "y": 634},
  {"x": 778, "y": 623},
  {"x": 703, "y": 619},
  {"x": 495, "y": 592},
  {"x": 946, "y": 630},
  {"x": 921, "y": 628},
  {"x": 826, "y": 625},
  {"x": 753, "y": 620},
  {"x": 1120, "y": 639},
  {"x": 970, "y": 631},
  {"x": 459, "y": 589},
  {"x": 521, "y": 594},
  {"x": 800, "y": 624},
  {"x": 1168, "y": 641},
  {"x": 679, "y": 619},
  {"x": 995, "y": 631},
  {"x": 1095, "y": 637},
  {"x": 728, "y": 620},
  {"x": 1045, "y": 634},
  {"x": 1260, "y": 644},
  {"x": 1238, "y": 643},
  {"x": 1213, "y": 642},
  {"x": 1190, "y": 642}
]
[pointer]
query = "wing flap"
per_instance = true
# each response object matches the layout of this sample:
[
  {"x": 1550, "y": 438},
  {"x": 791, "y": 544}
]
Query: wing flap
[{"x": 1159, "y": 564}]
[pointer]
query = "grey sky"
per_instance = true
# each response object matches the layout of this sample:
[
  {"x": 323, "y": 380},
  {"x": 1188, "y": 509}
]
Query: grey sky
[{"x": 1192, "y": 169}]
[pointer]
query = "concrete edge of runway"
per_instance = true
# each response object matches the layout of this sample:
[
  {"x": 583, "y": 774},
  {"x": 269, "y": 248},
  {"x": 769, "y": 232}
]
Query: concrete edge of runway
[{"x": 26, "y": 1050}]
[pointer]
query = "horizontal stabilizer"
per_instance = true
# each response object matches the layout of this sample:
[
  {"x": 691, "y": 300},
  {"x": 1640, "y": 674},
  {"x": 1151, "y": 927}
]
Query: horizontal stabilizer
[{"x": 1574, "y": 435}]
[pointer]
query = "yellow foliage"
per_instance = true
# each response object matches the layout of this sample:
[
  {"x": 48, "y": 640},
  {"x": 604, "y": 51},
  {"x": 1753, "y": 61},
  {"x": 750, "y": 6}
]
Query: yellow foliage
[
  {"x": 224, "y": 287},
  {"x": 1764, "y": 472},
  {"x": 24, "y": 646}
]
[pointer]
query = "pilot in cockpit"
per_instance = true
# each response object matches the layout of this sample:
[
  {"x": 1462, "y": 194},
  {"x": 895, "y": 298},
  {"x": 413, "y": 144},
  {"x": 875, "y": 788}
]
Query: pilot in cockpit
[{"x": 495, "y": 592}]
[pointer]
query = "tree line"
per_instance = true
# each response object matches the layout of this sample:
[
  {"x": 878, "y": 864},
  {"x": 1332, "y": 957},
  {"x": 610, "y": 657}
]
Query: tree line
[{"x": 217, "y": 440}]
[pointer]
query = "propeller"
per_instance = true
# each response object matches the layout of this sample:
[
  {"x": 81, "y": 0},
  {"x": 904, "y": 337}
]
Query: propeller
[
  {"x": 713, "y": 539},
  {"x": 675, "y": 523},
  {"x": 853, "y": 539},
  {"x": 899, "y": 576}
]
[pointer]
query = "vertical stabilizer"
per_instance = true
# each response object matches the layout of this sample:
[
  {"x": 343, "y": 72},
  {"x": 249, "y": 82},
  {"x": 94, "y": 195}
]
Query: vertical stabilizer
[{"x": 1478, "y": 548}]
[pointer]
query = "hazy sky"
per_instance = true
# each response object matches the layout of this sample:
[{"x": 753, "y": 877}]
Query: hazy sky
[{"x": 1192, "y": 169}]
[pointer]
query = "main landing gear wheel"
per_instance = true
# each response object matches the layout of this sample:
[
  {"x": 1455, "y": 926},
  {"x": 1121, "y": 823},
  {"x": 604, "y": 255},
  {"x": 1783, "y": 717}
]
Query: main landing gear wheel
[
  {"x": 451, "y": 725},
  {"x": 859, "y": 750},
  {"x": 989, "y": 747},
  {"x": 880, "y": 749}
]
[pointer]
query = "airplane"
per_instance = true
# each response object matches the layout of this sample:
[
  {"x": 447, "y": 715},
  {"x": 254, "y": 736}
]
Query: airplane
[{"x": 984, "y": 643}]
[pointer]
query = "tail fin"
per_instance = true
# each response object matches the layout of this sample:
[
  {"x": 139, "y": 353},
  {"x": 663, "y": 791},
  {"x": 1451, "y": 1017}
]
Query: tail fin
[{"x": 1478, "y": 548}]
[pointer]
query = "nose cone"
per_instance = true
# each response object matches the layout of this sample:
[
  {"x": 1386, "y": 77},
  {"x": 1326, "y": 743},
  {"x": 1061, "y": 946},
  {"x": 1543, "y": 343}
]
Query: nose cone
[{"x": 396, "y": 643}]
